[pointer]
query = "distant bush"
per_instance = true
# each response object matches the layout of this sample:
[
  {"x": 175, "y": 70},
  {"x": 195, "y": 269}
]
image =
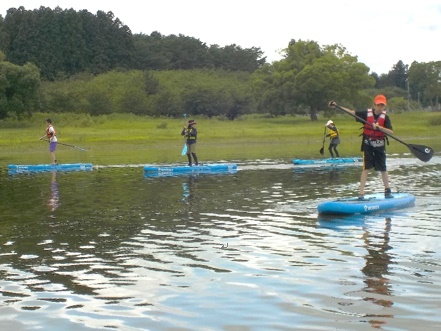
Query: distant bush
[
  {"x": 162, "y": 125},
  {"x": 435, "y": 120}
]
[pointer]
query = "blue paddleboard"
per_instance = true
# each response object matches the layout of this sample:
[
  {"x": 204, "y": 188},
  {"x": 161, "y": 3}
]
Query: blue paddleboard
[
  {"x": 166, "y": 171},
  {"x": 32, "y": 168},
  {"x": 373, "y": 203},
  {"x": 338, "y": 160}
]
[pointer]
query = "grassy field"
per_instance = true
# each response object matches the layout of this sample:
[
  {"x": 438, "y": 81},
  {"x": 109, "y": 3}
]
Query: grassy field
[{"x": 129, "y": 139}]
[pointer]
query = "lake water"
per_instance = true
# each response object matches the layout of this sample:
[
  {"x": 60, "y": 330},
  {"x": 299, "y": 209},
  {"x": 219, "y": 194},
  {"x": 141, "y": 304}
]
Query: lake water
[{"x": 112, "y": 250}]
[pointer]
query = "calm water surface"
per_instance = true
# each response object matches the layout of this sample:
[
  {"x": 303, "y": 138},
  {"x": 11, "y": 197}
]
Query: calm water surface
[{"x": 112, "y": 250}]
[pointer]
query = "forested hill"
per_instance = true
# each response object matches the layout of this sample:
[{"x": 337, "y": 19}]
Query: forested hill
[
  {"x": 67, "y": 61},
  {"x": 66, "y": 42}
]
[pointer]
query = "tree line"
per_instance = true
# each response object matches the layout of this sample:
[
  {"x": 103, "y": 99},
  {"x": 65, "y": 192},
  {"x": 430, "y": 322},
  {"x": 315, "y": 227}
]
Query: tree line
[
  {"x": 63, "y": 43},
  {"x": 67, "y": 61}
]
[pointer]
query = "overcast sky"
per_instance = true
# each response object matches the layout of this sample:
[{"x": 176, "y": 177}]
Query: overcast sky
[{"x": 379, "y": 33}]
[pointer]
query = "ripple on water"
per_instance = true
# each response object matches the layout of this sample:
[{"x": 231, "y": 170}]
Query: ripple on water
[{"x": 243, "y": 251}]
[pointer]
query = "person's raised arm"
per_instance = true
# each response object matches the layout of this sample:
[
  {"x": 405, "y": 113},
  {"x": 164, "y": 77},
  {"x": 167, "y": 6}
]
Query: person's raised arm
[{"x": 332, "y": 104}]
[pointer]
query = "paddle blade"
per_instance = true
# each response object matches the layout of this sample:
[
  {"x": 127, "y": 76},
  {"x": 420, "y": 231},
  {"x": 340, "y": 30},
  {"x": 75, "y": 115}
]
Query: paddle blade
[
  {"x": 184, "y": 150},
  {"x": 322, "y": 151},
  {"x": 422, "y": 152}
]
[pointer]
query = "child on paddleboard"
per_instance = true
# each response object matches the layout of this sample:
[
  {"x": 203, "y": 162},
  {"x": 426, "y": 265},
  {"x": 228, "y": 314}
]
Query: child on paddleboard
[
  {"x": 334, "y": 135},
  {"x": 373, "y": 146},
  {"x": 51, "y": 135},
  {"x": 191, "y": 133}
]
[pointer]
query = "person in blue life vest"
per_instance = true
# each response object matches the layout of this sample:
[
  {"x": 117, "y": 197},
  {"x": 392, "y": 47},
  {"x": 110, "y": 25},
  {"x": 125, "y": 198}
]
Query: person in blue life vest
[
  {"x": 52, "y": 137},
  {"x": 334, "y": 136},
  {"x": 374, "y": 141},
  {"x": 191, "y": 134}
]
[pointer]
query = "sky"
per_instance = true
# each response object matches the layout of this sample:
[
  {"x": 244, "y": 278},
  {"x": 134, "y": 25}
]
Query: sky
[{"x": 378, "y": 33}]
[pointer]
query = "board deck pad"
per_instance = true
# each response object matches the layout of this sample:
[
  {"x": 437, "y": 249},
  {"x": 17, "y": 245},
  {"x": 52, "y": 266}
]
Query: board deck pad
[
  {"x": 372, "y": 203},
  {"x": 338, "y": 160},
  {"x": 33, "y": 168},
  {"x": 177, "y": 170}
]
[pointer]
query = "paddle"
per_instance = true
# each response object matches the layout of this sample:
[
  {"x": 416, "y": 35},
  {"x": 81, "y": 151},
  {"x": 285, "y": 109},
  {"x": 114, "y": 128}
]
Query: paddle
[
  {"x": 184, "y": 149},
  {"x": 322, "y": 150},
  {"x": 422, "y": 152},
  {"x": 80, "y": 148}
]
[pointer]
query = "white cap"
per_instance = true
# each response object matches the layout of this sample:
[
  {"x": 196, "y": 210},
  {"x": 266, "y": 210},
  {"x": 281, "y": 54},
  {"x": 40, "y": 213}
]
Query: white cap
[{"x": 329, "y": 122}]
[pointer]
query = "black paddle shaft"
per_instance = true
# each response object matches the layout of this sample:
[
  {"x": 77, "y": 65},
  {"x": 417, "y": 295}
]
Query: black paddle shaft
[
  {"x": 322, "y": 150},
  {"x": 424, "y": 153},
  {"x": 80, "y": 148}
]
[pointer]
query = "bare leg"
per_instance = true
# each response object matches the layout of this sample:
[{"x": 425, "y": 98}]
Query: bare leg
[
  {"x": 385, "y": 178},
  {"x": 53, "y": 158},
  {"x": 363, "y": 179}
]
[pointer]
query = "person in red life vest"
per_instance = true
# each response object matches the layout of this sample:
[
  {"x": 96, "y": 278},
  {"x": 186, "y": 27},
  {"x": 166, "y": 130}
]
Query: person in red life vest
[
  {"x": 374, "y": 141},
  {"x": 334, "y": 135},
  {"x": 52, "y": 137},
  {"x": 191, "y": 133}
]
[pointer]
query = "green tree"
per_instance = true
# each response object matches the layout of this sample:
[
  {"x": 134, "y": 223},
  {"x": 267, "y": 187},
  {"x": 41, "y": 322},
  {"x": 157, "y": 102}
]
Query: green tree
[
  {"x": 166, "y": 102},
  {"x": 396, "y": 77},
  {"x": 308, "y": 77},
  {"x": 186, "y": 52},
  {"x": 98, "y": 102},
  {"x": 235, "y": 58},
  {"x": 425, "y": 83},
  {"x": 64, "y": 42},
  {"x": 19, "y": 89},
  {"x": 279, "y": 94},
  {"x": 109, "y": 44},
  {"x": 149, "y": 52},
  {"x": 74, "y": 52},
  {"x": 399, "y": 75}
]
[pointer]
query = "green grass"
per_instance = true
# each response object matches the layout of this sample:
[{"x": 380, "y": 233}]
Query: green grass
[{"x": 130, "y": 139}]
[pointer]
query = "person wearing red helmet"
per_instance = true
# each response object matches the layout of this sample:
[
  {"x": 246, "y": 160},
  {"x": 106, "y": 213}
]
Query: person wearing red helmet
[{"x": 373, "y": 146}]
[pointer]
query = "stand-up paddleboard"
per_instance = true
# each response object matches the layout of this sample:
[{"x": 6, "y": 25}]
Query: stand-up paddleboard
[
  {"x": 372, "y": 203},
  {"x": 166, "y": 171},
  {"x": 338, "y": 160},
  {"x": 32, "y": 168}
]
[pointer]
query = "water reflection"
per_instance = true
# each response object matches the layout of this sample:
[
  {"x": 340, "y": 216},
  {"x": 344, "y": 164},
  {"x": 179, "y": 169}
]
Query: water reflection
[
  {"x": 377, "y": 260},
  {"x": 210, "y": 252},
  {"x": 376, "y": 269},
  {"x": 188, "y": 189},
  {"x": 54, "y": 199},
  {"x": 189, "y": 196},
  {"x": 322, "y": 169}
]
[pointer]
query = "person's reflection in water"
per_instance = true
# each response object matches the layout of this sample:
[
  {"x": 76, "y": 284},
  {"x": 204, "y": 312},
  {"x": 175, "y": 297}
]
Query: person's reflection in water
[
  {"x": 334, "y": 174},
  {"x": 376, "y": 271},
  {"x": 53, "y": 201},
  {"x": 188, "y": 188}
]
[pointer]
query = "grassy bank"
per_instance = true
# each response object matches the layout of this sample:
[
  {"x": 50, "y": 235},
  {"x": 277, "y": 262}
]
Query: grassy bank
[{"x": 129, "y": 139}]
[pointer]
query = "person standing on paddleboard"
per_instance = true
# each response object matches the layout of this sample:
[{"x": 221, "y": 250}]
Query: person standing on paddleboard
[
  {"x": 191, "y": 133},
  {"x": 373, "y": 146},
  {"x": 334, "y": 135},
  {"x": 51, "y": 135}
]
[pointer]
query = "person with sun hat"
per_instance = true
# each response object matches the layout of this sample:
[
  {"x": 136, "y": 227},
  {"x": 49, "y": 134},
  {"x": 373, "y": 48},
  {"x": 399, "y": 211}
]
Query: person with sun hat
[
  {"x": 191, "y": 134},
  {"x": 334, "y": 135}
]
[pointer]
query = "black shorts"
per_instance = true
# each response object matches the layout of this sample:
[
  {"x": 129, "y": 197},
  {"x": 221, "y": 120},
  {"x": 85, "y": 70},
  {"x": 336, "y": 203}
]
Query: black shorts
[{"x": 374, "y": 155}]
